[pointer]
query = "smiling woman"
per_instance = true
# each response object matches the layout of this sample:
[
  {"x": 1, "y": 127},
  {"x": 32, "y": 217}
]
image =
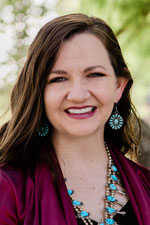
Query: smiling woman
[
  {"x": 62, "y": 153},
  {"x": 78, "y": 88}
]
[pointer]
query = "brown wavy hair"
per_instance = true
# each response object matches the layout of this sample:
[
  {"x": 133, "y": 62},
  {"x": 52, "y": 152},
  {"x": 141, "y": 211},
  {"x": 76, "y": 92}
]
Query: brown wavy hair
[{"x": 19, "y": 143}]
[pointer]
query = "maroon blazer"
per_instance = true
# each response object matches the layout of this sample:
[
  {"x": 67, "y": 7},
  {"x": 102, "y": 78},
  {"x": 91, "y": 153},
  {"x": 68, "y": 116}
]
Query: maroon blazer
[{"x": 32, "y": 199}]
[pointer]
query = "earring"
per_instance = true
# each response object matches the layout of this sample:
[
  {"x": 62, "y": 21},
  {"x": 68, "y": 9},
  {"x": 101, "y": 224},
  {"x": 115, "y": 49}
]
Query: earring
[
  {"x": 116, "y": 120},
  {"x": 43, "y": 131}
]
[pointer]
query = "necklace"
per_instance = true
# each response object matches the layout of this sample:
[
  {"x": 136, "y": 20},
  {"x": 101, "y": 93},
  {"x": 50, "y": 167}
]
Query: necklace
[{"x": 109, "y": 199}]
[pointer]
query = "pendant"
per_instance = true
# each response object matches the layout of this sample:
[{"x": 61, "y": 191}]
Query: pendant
[
  {"x": 109, "y": 221},
  {"x": 84, "y": 214},
  {"x": 76, "y": 203}
]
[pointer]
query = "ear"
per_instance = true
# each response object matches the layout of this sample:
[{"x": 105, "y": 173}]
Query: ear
[{"x": 121, "y": 84}]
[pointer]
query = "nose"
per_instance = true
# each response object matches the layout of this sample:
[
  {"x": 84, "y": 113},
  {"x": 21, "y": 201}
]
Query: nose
[{"x": 78, "y": 92}]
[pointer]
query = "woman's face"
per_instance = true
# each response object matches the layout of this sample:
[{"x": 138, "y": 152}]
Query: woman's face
[{"x": 81, "y": 88}]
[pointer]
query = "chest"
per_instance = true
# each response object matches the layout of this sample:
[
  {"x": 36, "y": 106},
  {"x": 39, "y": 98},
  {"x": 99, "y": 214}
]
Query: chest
[{"x": 91, "y": 191}]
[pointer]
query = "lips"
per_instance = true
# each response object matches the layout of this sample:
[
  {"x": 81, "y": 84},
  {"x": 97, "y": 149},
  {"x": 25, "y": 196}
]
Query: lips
[
  {"x": 84, "y": 112},
  {"x": 80, "y": 110}
]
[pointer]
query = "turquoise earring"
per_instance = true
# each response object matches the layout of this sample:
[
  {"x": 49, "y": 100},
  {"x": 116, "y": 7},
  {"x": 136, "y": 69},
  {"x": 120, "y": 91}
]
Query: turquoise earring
[
  {"x": 116, "y": 120},
  {"x": 43, "y": 131}
]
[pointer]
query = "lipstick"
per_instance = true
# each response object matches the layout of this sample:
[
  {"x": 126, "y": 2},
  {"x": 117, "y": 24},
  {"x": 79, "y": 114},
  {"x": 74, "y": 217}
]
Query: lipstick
[{"x": 83, "y": 112}]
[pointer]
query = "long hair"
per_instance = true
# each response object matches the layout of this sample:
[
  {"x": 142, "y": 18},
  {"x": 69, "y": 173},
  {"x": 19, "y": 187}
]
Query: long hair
[{"x": 19, "y": 142}]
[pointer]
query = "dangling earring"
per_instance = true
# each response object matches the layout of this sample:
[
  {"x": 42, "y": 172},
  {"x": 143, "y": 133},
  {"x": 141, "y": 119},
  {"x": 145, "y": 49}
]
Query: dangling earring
[
  {"x": 43, "y": 131},
  {"x": 116, "y": 120}
]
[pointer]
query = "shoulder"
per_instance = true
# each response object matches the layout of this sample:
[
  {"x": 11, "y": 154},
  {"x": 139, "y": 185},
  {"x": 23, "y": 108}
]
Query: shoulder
[
  {"x": 21, "y": 183},
  {"x": 5, "y": 182},
  {"x": 16, "y": 192},
  {"x": 18, "y": 188},
  {"x": 8, "y": 178},
  {"x": 11, "y": 180},
  {"x": 13, "y": 177},
  {"x": 129, "y": 167},
  {"x": 141, "y": 171},
  {"x": 17, "y": 177},
  {"x": 8, "y": 203},
  {"x": 137, "y": 167}
]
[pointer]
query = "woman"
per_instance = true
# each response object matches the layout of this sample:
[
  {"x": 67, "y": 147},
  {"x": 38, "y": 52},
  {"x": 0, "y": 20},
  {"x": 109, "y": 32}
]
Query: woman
[{"x": 62, "y": 152}]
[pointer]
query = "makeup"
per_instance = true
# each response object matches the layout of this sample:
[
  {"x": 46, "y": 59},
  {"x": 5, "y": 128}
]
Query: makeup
[{"x": 83, "y": 112}]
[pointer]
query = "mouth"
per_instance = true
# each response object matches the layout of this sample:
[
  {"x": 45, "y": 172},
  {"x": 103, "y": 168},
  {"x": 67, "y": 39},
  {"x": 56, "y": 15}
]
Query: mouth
[{"x": 80, "y": 110}]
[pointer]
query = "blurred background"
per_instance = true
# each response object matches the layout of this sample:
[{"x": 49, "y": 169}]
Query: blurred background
[{"x": 130, "y": 20}]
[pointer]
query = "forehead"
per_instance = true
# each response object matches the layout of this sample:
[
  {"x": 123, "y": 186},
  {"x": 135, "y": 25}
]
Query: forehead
[{"x": 84, "y": 49}]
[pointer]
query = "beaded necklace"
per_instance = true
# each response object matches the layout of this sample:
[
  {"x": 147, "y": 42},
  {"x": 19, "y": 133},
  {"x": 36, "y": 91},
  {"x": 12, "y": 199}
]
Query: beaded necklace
[{"x": 109, "y": 199}]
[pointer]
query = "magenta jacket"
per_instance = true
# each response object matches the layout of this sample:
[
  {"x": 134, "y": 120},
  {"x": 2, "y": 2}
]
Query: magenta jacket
[{"x": 32, "y": 199}]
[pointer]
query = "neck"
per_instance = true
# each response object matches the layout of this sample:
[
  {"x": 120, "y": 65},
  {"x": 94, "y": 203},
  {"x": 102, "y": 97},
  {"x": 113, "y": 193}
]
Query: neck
[{"x": 85, "y": 152}]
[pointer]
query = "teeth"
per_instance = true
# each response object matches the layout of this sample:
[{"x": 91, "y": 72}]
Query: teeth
[{"x": 79, "y": 111}]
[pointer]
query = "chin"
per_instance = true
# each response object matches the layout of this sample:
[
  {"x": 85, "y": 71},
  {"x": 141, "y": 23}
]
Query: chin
[{"x": 79, "y": 133}]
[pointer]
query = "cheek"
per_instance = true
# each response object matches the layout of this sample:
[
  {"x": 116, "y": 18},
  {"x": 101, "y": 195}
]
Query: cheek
[
  {"x": 53, "y": 99},
  {"x": 105, "y": 93},
  {"x": 48, "y": 102}
]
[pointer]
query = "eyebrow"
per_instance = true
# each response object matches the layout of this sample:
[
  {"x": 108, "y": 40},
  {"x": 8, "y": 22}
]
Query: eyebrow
[{"x": 85, "y": 71}]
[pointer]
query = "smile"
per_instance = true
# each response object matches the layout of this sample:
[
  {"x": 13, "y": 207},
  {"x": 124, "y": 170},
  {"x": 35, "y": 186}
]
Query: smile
[{"x": 80, "y": 111}]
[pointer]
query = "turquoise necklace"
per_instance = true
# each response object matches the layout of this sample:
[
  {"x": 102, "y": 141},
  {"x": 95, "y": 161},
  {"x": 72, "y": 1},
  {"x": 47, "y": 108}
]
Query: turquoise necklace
[{"x": 109, "y": 200}]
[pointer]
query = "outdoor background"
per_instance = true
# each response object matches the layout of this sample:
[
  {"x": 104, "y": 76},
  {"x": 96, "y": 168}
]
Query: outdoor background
[{"x": 130, "y": 20}]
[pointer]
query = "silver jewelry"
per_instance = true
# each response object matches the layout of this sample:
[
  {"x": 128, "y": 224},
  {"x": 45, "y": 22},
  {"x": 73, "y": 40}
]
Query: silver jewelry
[
  {"x": 116, "y": 120},
  {"x": 109, "y": 199}
]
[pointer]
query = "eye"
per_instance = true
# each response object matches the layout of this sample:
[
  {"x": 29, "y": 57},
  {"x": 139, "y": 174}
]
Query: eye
[
  {"x": 96, "y": 75},
  {"x": 57, "y": 79}
]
